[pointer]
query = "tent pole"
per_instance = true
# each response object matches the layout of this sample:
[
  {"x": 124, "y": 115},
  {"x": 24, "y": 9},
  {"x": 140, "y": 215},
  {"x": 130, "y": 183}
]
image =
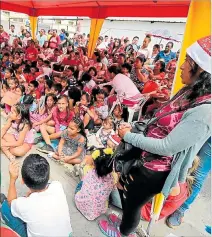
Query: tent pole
[
  {"x": 33, "y": 25},
  {"x": 199, "y": 15},
  {"x": 95, "y": 28}
]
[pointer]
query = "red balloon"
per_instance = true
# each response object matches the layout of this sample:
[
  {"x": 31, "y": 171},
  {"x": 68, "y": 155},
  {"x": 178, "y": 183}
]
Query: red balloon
[{"x": 150, "y": 86}]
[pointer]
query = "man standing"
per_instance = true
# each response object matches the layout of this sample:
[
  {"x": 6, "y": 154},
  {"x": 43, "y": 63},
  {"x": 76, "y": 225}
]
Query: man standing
[
  {"x": 41, "y": 37},
  {"x": 135, "y": 43},
  {"x": 166, "y": 55},
  {"x": 13, "y": 34}
]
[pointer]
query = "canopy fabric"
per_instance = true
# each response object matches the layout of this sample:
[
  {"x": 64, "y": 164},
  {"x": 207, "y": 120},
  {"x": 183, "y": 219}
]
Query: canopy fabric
[{"x": 100, "y": 9}]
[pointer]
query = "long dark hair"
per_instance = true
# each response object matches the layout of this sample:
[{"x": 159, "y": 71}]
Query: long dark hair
[
  {"x": 54, "y": 99},
  {"x": 103, "y": 164},
  {"x": 81, "y": 127},
  {"x": 23, "y": 110},
  {"x": 201, "y": 86}
]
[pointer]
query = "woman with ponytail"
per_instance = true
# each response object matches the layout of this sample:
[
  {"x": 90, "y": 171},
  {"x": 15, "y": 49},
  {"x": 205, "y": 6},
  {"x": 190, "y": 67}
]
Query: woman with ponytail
[{"x": 174, "y": 135}]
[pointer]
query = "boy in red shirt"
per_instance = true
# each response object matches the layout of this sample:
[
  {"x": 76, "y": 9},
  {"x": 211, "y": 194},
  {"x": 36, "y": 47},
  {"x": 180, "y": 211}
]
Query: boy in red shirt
[{"x": 31, "y": 52}]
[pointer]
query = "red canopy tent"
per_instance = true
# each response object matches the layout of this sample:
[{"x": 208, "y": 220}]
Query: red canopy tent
[
  {"x": 97, "y": 10},
  {"x": 100, "y": 8}
]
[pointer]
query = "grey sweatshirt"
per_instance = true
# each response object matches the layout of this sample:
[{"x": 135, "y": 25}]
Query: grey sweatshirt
[{"x": 183, "y": 143}]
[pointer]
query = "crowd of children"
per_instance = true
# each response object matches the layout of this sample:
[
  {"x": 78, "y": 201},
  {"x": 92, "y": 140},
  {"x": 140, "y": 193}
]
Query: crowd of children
[{"x": 58, "y": 97}]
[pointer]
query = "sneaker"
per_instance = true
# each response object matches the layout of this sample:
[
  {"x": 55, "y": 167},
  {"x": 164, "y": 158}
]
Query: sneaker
[
  {"x": 46, "y": 149},
  {"x": 114, "y": 220},
  {"x": 175, "y": 219},
  {"x": 38, "y": 140},
  {"x": 110, "y": 231}
]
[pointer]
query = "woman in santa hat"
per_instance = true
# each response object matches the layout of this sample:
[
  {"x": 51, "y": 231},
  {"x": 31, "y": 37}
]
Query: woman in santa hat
[{"x": 173, "y": 137}]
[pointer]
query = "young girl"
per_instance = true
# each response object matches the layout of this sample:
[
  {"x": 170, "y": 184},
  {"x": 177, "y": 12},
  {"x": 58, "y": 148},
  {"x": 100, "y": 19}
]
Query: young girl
[
  {"x": 10, "y": 97},
  {"x": 105, "y": 131},
  {"x": 101, "y": 109},
  {"x": 41, "y": 80},
  {"x": 20, "y": 141},
  {"x": 61, "y": 116},
  {"x": 71, "y": 148},
  {"x": 43, "y": 112},
  {"x": 5, "y": 82},
  {"x": 92, "y": 193},
  {"x": 65, "y": 85},
  {"x": 85, "y": 111},
  {"x": 119, "y": 115}
]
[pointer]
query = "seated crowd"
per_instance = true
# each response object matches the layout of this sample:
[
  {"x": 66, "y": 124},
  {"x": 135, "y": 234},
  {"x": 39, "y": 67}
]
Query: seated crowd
[{"x": 70, "y": 107}]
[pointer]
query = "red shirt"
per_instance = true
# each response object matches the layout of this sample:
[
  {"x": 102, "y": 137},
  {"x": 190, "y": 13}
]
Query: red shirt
[
  {"x": 31, "y": 77},
  {"x": 71, "y": 62},
  {"x": 31, "y": 54}
]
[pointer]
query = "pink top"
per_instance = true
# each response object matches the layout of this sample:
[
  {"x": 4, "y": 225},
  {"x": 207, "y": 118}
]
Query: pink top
[
  {"x": 92, "y": 199},
  {"x": 61, "y": 118},
  {"x": 29, "y": 136}
]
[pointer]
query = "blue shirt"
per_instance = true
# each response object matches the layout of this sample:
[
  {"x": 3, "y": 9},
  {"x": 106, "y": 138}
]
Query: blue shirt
[
  {"x": 62, "y": 36},
  {"x": 165, "y": 57}
]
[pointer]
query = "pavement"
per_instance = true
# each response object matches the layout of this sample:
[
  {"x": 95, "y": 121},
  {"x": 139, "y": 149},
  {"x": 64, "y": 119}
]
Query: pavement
[{"x": 194, "y": 222}]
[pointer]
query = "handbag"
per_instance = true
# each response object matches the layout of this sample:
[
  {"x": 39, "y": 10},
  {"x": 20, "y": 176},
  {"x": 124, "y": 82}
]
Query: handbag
[{"x": 124, "y": 153}]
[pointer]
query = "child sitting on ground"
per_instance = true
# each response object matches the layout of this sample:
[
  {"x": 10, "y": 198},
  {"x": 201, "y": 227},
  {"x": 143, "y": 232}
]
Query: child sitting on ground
[
  {"x": 37, "y": 214},
  {"x": 72, "y": 145},
  {"x": 20, "y": 141},
  {"x": 101, "y": 108},
  {"x": 105, "y": 131},
  {"x": 85, "y": 111},
  {"x": 92, "y": 193},
  {"x": 43, "y": 112},
  {"x": 119, "y": 115},
  {"x": 61, "y": 116}
]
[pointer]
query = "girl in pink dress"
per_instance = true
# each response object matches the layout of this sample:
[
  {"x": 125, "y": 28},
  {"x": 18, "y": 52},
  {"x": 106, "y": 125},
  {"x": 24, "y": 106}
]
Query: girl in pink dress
[
  {"x": 20, "y": 141},
  {"x": 43, "y": 112},
  {"x": 60, "y": 117},
  {"x": 92, "y": 193}
]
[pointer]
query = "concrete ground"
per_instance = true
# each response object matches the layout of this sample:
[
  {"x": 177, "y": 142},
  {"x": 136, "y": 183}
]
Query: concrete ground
[{"x": 194, "y": 222}]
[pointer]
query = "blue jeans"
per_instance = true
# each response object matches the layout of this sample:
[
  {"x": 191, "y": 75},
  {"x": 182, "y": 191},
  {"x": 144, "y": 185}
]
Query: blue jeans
[
  {"x": 200, "y": 174},
  {"x": 14, "y": 223}
]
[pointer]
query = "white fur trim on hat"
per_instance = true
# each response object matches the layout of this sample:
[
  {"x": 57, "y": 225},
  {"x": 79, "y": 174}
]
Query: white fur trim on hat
[{"x": 200, "y": 55}]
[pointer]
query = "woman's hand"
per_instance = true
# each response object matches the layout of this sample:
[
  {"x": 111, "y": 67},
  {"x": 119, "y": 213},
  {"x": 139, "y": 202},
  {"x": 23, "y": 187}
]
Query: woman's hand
[
  {"x": 125, "y": 125},
  {"x": 123, "y": 131}
]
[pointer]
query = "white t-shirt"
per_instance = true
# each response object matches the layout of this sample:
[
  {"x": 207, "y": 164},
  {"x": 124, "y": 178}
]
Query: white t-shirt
[
  {"x": 91, "y": 84},
  {"x": 147, "y": 52},
  {"x": 102, "y": 46},
  {"x": 124, "y": 86},
  {"x": 45, "y": 213}
]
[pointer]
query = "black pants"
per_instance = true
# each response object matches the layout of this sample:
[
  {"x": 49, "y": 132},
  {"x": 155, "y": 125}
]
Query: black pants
[{"x": 143, "y": 185}]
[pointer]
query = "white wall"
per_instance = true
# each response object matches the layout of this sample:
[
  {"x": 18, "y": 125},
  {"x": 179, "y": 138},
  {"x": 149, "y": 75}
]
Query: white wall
[{"x": 136, "y": 28}]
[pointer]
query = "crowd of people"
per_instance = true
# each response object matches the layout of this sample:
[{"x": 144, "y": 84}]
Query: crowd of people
[{"x": 77, "y": 109}]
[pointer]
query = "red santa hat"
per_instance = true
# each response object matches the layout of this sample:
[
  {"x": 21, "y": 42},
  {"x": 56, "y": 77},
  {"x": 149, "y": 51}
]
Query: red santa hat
[
  {"x": 115, "y": 139},
  {"x": 200, "y": 52}
]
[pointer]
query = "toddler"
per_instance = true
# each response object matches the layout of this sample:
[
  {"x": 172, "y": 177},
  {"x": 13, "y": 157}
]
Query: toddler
[{"x": 105, "y": 131}]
